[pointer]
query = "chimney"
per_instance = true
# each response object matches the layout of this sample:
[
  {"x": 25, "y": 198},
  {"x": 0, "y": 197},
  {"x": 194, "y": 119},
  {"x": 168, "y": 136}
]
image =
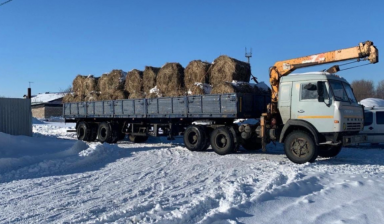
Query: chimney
[{"x": 29, "y": 95}]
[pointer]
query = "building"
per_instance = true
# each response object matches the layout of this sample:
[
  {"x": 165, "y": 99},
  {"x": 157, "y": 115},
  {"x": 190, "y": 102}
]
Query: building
[{"x": 46, "y": 105}]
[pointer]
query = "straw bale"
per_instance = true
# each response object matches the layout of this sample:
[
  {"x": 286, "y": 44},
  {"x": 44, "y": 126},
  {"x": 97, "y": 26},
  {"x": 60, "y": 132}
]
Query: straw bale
[
  {"x": 175, "y": 92},
  {"x": 196, "y": 71},
  {"x": 112, "y": 81},
  {"x": 92, "y": 96},
  {"x": 152, "y": 95},
  {"x": 149, "y": 78},
  {"x": 196, "y": 90},
  {"x": 170, "y": 78},
  {"x": 134, "y": 81},
  {"x": 136, "y": 95},
  {"x": 77, "y": 84},
  {"x": 90, "y": 84},
  {"x": 226, "y": 69},
  {"x": 68, "y": 98},
  {"x": 226, "y": 87},
  {"x": 114, "y": 95}
]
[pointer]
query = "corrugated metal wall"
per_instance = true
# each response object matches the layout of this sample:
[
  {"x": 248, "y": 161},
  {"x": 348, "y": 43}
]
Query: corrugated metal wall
[{"x": 16, "y": 116}]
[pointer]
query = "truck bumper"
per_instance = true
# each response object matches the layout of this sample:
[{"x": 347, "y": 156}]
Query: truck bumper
[{"x": 354, "y": 139}]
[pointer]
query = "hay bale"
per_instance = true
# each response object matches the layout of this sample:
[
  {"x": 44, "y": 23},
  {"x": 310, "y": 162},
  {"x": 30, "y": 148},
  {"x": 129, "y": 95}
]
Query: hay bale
[
  {"x": 68, "y": 98},
  {"x": 175, "y": 93},
  {"x": 90, "y": 85},
  {"x": 170, "y": 77},
  {"x": 112, "y": 81},
  {"x": 200, "y": 89},
  {"x": 77, "y": 85},
  {"x": 149, "y": 78},
  {"x": 92, "y": 96},
  {"x": 232, "y": 87},
  {"x": 196, "y": 71},
  {"x": 114, "y": 95},
  {"x": 136, "y": 95},
  {"x": 226, "y": 69},
  {"x": 134, "y": 81}
]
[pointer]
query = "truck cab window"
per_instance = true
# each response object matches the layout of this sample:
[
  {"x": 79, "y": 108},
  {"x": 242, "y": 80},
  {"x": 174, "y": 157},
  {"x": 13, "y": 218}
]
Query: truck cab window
[
  {"x": 379, "y": 117},
  {"x": 309, "y": 91},
  {"x": 338, "y": 91},
  {"x": 368, "y": 118}
]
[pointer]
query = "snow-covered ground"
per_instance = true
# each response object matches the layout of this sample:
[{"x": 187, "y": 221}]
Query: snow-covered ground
[{"x": 53, "y": 178}]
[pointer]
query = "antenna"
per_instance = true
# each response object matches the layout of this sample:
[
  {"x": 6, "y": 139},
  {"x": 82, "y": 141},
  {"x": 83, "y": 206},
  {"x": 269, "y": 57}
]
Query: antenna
[
  {"x": 248, "y": 55},
  {"x": 30, "y": 84}
]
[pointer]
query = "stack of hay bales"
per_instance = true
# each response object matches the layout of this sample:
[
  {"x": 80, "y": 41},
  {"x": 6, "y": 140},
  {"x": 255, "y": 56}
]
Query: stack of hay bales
[
  {"x": 224, "y": 74},
  {"x": 149, "y": 81},
  {"x": 111, "y": 85},
  {"x": 134, "y": 84},
  {"x": 226, "y": 69},
  {"x": 84, "y": 88},
  {"x": 196, "y": 76},
  {"x": 170, "y": 80}
]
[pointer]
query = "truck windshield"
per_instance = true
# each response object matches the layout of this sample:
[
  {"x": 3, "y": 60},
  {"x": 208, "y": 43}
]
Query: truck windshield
[
  {"x": 338, "y": 91},
  {"x": 350, "y": 94}
]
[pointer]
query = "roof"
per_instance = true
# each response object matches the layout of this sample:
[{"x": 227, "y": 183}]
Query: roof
[
  {"x": 311, "y": 76},
  {"x": 46, "y": 97}
]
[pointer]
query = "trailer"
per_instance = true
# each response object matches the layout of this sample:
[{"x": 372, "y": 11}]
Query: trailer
[{"x": 202, "y": 120}]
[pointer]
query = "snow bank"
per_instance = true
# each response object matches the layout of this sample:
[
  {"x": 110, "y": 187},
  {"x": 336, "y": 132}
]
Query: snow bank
[{"x": 372, "y": 102}]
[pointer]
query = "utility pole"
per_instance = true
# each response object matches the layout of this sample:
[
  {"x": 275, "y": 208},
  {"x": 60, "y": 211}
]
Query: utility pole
[{"x": 248, "y": 55}]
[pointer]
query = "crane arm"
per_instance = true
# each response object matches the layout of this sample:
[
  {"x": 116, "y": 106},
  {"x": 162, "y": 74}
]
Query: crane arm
[{"x": 364, "y": 51}]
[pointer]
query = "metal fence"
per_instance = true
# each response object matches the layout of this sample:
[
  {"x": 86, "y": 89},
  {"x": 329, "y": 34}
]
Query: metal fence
[{"x": 16, "y": 116}]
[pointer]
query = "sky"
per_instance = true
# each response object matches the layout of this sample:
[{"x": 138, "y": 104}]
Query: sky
[{"x": 50, "y": 42}]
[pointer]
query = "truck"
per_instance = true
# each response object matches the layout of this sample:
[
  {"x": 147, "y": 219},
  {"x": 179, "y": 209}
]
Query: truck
[{"x": 312, "y": 114}]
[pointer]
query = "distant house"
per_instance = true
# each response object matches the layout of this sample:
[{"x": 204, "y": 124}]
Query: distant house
[{"x": 46, "y": 105}]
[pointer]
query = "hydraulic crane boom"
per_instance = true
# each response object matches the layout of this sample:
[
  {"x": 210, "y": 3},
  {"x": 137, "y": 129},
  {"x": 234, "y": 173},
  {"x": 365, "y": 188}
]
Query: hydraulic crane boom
[{"x": 364, "y": 51}]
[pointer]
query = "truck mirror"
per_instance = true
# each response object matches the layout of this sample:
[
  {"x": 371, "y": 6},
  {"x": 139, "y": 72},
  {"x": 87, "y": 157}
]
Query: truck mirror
[{"x": 320, "y": 91}]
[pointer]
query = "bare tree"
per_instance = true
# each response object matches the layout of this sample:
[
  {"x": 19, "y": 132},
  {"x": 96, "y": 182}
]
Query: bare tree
[
  {"x": 66, "y": 90},
  {"x": 380, "y": 90},
  {"x": 363, "y": 89}
]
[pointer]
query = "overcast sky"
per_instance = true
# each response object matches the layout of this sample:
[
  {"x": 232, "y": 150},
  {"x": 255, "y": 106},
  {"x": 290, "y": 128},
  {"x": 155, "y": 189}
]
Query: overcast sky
[{"x": 50, "y": 42}]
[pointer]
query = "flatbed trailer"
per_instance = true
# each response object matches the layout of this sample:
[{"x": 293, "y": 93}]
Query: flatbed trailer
[{"x": 195, "y": 117}]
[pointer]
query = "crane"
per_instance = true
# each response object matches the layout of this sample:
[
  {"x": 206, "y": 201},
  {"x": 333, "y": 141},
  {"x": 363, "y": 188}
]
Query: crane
[{"x": 364, "y": 51}]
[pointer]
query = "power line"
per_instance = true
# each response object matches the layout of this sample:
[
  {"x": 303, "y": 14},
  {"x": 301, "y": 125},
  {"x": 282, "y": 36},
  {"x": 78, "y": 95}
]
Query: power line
[{"x": 5, "y": 2}]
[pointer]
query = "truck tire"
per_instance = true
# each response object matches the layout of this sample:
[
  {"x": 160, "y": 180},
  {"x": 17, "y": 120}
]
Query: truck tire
[
  {"x": 104, "y": 132},
  {"x": 300, "y": 147},
  {"x": 251, "y": 144},
  {"x": 222, "y": 141},
  {"x": 83, "y": 131},
  {"x": 195, "y": 138},
  {"x": 328, "y": 151},
  {"x": 137, "y": 139}
]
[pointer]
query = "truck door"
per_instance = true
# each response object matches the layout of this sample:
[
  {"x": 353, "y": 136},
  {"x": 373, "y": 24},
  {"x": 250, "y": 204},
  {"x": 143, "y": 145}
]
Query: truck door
[
  {"x": 284, "y": 103},
  {"x": 379, "y": 133},
  {"x": 369, "y": 126},
  {"x": 305, "y": 106}
]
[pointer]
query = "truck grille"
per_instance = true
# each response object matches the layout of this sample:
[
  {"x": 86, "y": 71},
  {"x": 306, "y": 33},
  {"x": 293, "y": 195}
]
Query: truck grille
[{"x": 353, "y": 126}]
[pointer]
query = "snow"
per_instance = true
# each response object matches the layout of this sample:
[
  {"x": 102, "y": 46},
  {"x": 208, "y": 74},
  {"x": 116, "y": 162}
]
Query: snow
[
  {"x": 204, "y": 86},
  {"x": 46, "y": 97},
  {"x": 53, "y": 178},
  {"x": 156, "y": 91},
  {"x": 372, "y": 102}
]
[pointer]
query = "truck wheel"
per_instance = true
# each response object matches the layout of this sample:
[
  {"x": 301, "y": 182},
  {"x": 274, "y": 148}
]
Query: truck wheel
[
  {"x": 329, "y": 151},
  {"x": 300, "y": 147},
  {"x": 222, "y": 141},
  {"x": 195, "y": 138},
  {"x": 104, "y": 132},
  {"x": 251, "y": 144},
  {"x": 83, "y": 131},
  {"x": 137, "y": 139}
]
